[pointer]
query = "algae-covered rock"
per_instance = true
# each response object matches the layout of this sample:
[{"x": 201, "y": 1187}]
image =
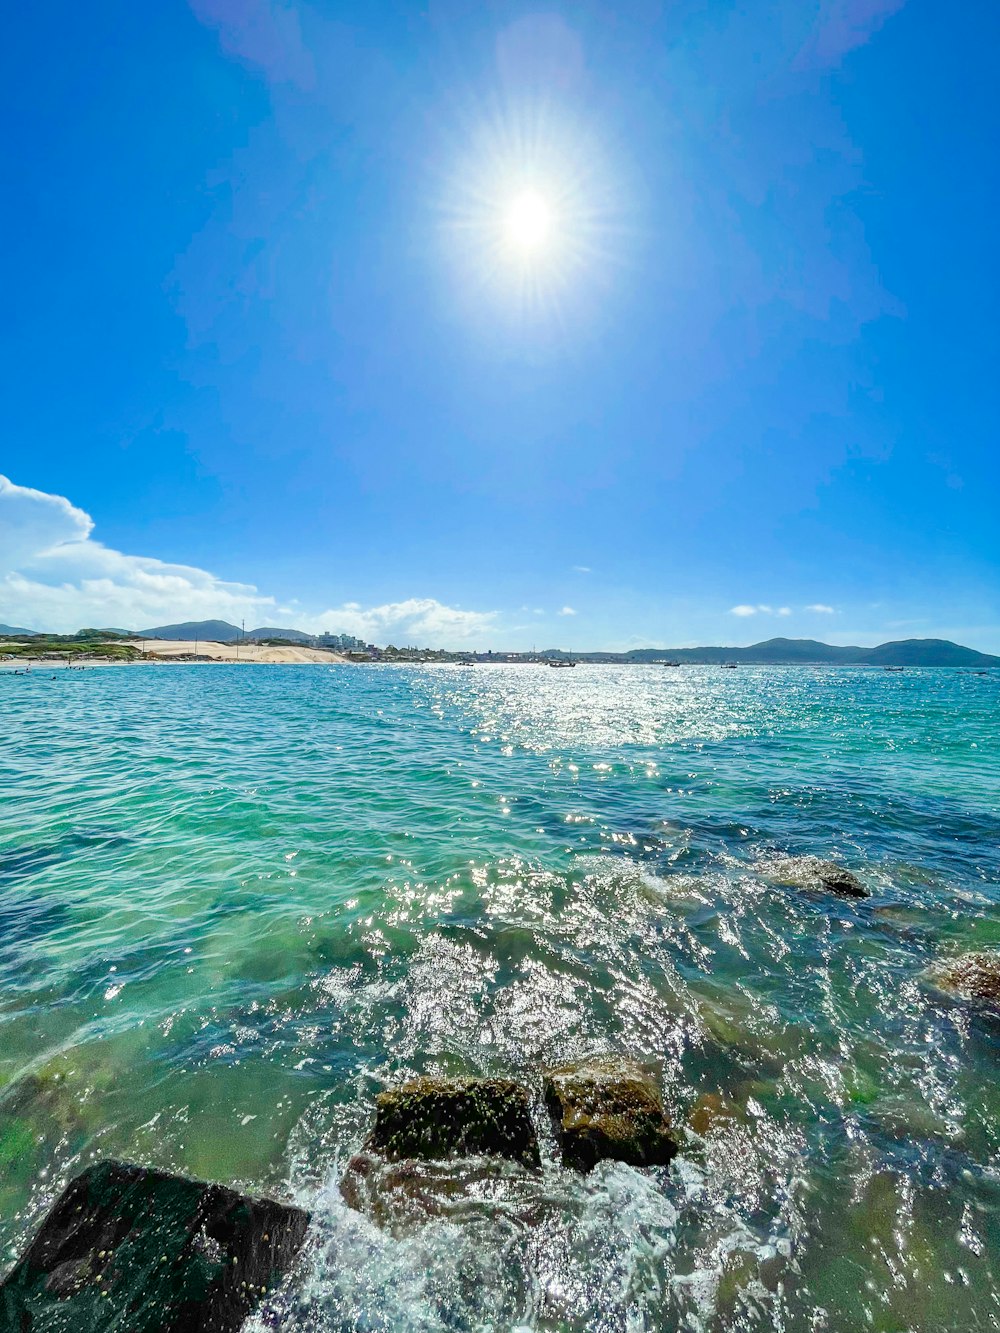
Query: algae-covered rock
[
  {"x": 126, "y": 1248},
  {"x": 608, "y": 1108},
  {"x": 436, "y": 1118},
  {"x": 971, "y": 976},
  {"x": 809, "y": 872}
]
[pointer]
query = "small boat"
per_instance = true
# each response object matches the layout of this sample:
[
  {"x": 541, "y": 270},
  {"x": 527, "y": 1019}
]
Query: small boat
[
  {"x": 670, "y": 664},
  {"x": 892, "y": 668},
  {"x": 730, "y": 666},
  {"x": 560, "y": 662}
]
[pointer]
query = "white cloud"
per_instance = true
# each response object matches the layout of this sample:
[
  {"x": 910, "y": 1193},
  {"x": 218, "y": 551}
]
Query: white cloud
[
  {"x": 567, "y": 611},
  {"x": 54, "y": 576},
  {"x": 746, "y": 609},
  {"x": 418, "y": 620},
  {"x": 582, "y": 569},
  {"x": 820, "y": 608}
]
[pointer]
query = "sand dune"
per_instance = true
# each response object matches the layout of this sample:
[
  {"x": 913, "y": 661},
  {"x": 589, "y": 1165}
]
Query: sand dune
[{"x": 231, "y": 652}]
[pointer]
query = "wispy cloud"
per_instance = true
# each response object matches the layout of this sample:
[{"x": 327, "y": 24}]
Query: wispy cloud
[
  {"x": 53, "y": 575},
  {"x": 567, "y": 611},
  {"x": 821, "y": 608},
  {"x": 761, "y": 608},
  {"x": 842, "y": 25},
  {"x": 582, "y": 569},
  {"x": 263, "y": 33}
]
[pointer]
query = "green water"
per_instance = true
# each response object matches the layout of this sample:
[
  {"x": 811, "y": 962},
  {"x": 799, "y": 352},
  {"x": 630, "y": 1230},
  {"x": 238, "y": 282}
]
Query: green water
[{"x": 237, "y": 902}]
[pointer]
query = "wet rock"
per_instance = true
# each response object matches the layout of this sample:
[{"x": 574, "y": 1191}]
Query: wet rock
[
  {"x": 971, "y": 976},
  {"x": 808, "y": 872},
  {"x": 126, "y": 1248},
  {"x": 436, "y": 1118},
  {"x": 608, "y": 1108}
]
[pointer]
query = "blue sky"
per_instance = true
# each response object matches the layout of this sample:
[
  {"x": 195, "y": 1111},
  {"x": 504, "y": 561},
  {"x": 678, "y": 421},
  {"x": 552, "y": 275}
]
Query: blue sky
[{"x": 271, "y": 351}]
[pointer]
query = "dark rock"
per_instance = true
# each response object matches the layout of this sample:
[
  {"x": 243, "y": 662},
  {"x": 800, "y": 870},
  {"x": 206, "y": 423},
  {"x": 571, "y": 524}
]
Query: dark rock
[
  {"x": 835, "y": 879},
  {"x": 608, "y": 1108},
  {"x": 436, "y": 1118},
  {"x": 129, "y": 1249},
  {"x": 971, "y": 976},
  {"x": 808, "y": 872}
]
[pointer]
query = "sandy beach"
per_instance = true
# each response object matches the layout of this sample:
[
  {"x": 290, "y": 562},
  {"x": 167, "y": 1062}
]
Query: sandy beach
[{"x": 171, "y": 649}]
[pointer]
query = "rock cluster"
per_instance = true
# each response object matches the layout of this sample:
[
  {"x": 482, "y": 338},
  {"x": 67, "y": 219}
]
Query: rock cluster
[{"x": 607, "y": 1108}]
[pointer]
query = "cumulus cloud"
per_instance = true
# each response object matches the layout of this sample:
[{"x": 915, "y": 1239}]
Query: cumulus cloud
[
  {"x": 566, "y": 611},
  {"x": 821, "y": 609},
  {"x": 422, "y": 621},
  {"x": 54, "y": 576}
]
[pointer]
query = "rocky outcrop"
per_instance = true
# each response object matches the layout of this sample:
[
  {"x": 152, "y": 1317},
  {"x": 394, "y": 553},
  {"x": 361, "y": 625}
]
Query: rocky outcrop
[
  {"x": 436, "y": 1118},
  {"x": 971, "y": 976},
  {"x": 608, "y": 1108},
  {"x": 809, "y": 872},
  {"x": 126, "y": 1248}
]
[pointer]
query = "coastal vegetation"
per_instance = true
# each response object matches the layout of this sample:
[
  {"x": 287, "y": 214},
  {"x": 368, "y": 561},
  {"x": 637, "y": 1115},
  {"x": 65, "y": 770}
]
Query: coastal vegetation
[{"x": 86, "y": 645}]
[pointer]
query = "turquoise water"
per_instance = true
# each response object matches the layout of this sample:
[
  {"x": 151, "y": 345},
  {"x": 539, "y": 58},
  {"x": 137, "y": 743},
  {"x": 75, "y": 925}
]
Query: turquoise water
[{"x": 235, "y": 902}]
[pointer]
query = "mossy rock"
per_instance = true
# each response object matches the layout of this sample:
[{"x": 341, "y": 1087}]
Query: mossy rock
[
  {"x": 971, "y": 976},
  {"x": 608, "y": 1108},
  {"x": 437, "y": 1118},
  {"x": 126, "y": 1248}
]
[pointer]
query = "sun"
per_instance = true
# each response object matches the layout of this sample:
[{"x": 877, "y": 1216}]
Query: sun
[
  {"x": 528, "y": 222},
  {"x": 531, "y": 211}
]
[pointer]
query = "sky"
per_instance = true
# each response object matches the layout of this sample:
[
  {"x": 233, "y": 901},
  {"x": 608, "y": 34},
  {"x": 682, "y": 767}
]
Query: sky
[{"x": 486, "y": 325}]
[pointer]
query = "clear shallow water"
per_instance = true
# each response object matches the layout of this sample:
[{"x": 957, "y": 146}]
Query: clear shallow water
[{"x": 236, "y": 902}]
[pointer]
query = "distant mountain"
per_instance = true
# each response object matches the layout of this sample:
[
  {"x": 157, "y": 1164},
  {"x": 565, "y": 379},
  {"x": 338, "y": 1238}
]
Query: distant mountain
[
  {"x": 13, "y": 629},
  {"x": 214, "y": 631},
  {"x": 928, "y": 652},
  {"x": 789, "y": 652},
  {"x": 273, "y": 632},
  {"x": 220, "y": 631}
]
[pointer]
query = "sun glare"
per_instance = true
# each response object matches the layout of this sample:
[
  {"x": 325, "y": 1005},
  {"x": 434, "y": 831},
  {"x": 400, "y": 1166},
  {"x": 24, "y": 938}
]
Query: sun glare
[
  {"x": 528, "y": 223},
  {"x": 529, "y": 211}
]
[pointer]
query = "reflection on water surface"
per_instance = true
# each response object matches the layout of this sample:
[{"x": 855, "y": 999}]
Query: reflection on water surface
[{"x": 237, "y": 902}]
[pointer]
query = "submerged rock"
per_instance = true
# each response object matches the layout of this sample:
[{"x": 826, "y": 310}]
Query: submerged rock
[
  {"x": 436, "y": 1118},
  {"x": 971, "y": 976},
  {"x": 608, "y": 1108},
  {"x": 809, "y": 872},
  {"x": 402, "y": 1196},
  {"x": 126, "y": 1248},
  {"x": 711, "y": 1113}
]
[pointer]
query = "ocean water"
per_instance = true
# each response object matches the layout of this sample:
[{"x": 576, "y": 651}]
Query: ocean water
[{"x": 236, "y": 902}]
